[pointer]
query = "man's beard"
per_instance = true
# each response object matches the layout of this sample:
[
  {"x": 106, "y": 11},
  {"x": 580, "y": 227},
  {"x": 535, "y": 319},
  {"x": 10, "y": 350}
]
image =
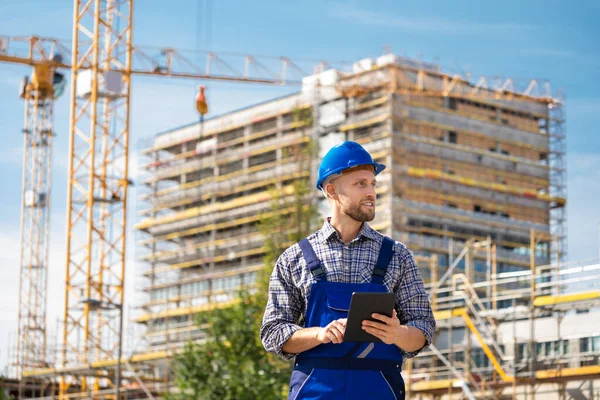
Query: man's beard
[{"x": 355, "y": 212}]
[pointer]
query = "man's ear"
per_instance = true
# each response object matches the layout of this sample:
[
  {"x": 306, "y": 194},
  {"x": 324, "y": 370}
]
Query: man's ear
[{"x": 331, "y": 191}]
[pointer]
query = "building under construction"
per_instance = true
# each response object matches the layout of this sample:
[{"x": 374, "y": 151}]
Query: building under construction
[{"x": 475, "y": 187}]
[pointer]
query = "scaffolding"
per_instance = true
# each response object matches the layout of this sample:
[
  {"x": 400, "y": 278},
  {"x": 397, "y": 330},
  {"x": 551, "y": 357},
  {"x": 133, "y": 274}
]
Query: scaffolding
[
  {"x": 492, "y": 352},
  {"x": 466, "y": 163},
  {"x": 474, "y": 187}
]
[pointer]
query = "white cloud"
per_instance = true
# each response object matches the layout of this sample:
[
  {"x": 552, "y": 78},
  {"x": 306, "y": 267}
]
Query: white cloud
[{"x": 362, "y": 16}]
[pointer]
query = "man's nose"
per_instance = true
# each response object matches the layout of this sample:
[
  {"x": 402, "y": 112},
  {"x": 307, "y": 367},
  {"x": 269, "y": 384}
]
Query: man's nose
[{"x": 371, "y": 192}]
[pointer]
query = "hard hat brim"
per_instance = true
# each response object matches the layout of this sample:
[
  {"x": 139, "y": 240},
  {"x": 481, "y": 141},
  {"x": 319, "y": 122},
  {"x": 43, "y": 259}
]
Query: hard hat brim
[{"x": 377, "y": 166}]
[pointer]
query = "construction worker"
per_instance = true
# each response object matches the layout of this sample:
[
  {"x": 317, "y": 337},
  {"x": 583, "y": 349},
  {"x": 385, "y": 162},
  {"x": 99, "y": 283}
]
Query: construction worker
[{"x": 312, "y": 283}]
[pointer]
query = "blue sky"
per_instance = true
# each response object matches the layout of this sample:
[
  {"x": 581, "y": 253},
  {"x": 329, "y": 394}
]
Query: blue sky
[{"x": 549, "y": 39}]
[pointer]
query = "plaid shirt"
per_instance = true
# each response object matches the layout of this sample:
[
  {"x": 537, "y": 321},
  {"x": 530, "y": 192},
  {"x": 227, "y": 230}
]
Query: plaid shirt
[{"x": 353, "y": 263}]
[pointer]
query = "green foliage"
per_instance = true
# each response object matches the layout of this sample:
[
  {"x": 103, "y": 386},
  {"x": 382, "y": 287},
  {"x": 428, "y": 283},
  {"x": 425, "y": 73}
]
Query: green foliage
[
  {"x": 303, "y": 115},
  {"x": 232, "y": 363},
  {"x": 3, "y": 393}
]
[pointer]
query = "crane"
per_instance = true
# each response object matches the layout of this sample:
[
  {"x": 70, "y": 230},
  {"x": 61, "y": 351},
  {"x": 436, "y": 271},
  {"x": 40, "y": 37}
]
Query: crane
[
  {"x": 38, "y": 93},
  {"x": 103, "y": 61}
]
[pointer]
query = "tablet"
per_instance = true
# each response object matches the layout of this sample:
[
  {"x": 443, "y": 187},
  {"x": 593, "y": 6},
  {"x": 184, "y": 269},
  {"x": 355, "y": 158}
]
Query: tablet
[{"x": 362, "y": 305}]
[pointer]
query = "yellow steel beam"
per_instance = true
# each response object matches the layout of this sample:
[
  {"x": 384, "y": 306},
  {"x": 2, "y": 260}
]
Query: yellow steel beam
[
  {"x": 568, "y": 372},
  {"x": 226, "y": 129},
  {"x": 566, "y": 298},
  {"x": 185, "y": 311},
  {"x": 447, "y": 314},
  {"x": 417, "y": 246},
  {"x": 257, "y": 135},
  {"x": 235, "y": 157},
  {"x": 35, "y": 220},
  {"x": 441, "y": 214},
  {"x": 219, "y": 178},
  {"x": 498, "y": 187},
  {"x": 201, "y": 245},
  {"x": 460, "y": 200},
  {"x": 482, "y": 152},
  {"x": 171, "y": 331},
  {"x": 211, "y": 208},
  {"x": 426, "y": 386},
  {"x": 472, "y": 133},
  {"x": 230, "y": 224},
  {"x": 134, "y": 359},
  {"x": 250, "y": 252},
  {"x": 485, "y": 347},
  {"x": 369, "y": 139},
  {"x": 537, "y": 182},
  {"x": 367, "y": 122},
  {"x": 222, "y": 225},
  {"x": 441, "y": 232},
  {"x": 451, "y": 85},
  {"x": 469, "y": 116},
  {"x": 213, "y": 275},
  {"x": 187, "y": 264},
  {"x": 98, "y": 181},
  {"x": 381, "y": 100},
  {"x": 237, "y": 189}
]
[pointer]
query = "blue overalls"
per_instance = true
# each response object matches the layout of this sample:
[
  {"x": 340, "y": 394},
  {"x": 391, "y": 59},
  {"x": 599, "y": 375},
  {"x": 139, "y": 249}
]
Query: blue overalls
[{"x": 347, "y": 370}]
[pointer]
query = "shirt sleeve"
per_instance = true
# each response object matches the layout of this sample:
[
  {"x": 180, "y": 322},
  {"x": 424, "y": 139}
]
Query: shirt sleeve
[
  {"x": 284, "y": 309},
  {"x": 412, "y": 300}
]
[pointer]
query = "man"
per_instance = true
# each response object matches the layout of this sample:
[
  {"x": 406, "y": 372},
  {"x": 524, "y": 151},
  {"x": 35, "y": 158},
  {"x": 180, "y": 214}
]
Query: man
[{"x": 312, "y": 283}]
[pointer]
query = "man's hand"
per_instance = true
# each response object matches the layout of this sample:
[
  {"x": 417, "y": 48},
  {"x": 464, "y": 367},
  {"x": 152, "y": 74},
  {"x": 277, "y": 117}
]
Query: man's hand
[
  {"x": 388, "y": 330},
  {"x": 332, "y": 333}
]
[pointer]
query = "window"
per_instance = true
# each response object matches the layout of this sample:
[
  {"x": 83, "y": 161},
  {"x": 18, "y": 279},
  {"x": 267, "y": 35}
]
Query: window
[
  {"x": 230, "y": 135},
  {"x": 477, "y": 208},
  {"x": 596, "y": 344},
  {"x": 231, "y": 167},
  {"x": 480, "y": 266},
  {"x": 522, "y": 350},
  {"x": 543, "y": 156},
  {"x": 362, "y": 133},
  {"x": 451, "y": 103},
  {"x": 451, "y": 136},
  {"x": 584, "y": 345},
  {"x": 539, "y": 350},
  {"x": 262, "y": 158},
  {"x": 264, "y": 125}
]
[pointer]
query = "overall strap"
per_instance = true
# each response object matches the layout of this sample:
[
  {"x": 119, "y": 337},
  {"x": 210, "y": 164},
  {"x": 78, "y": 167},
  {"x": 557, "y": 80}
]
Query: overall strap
[
  {"x": 385, "y": 255},
  {"x": 312, "y": 261}
]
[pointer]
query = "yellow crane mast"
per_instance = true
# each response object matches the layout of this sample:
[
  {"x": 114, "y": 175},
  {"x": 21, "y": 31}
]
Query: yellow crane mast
[
  {"x": 102, "y": 66},
  {"x": 38, "y": 92}
]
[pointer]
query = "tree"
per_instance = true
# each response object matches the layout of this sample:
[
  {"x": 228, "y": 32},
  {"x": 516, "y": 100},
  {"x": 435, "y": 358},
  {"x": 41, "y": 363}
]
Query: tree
[
  {"x": 232, "y": 363},
  {"x": 3, "y": 391}
]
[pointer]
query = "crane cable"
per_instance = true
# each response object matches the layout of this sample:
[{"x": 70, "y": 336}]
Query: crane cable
[{"x": 201, "y": 103}]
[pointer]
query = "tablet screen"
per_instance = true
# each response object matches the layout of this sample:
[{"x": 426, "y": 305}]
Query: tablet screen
[{"x": 362, "y": 305}]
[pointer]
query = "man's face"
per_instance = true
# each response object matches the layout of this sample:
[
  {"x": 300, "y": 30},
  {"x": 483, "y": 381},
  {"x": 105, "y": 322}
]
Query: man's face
[{"x": 356, "y": 194}]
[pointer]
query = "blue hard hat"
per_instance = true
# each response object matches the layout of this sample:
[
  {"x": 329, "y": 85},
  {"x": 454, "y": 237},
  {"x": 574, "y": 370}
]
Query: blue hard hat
[{"x": 343, "y": 156}]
